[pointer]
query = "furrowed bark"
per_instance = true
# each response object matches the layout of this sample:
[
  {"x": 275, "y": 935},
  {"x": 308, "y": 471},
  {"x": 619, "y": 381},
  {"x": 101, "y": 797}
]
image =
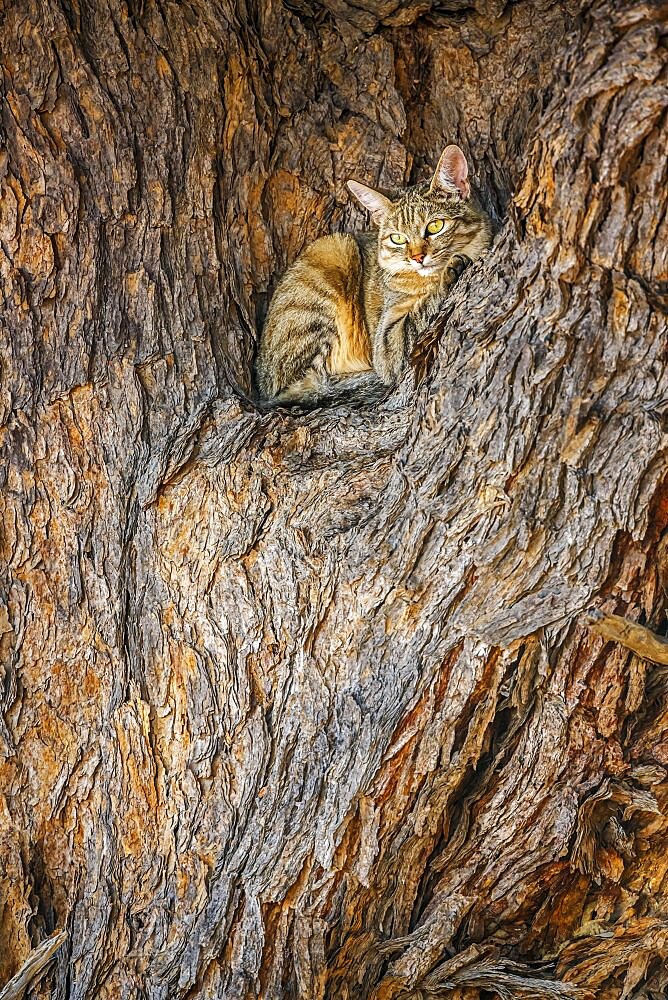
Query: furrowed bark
[{"x": 304, "y": 705}]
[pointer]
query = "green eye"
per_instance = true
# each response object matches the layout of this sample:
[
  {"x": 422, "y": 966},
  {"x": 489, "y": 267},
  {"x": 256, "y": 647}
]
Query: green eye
[
  {"x": 435, "y": 226},
  {"x": 398, "y": 239}
]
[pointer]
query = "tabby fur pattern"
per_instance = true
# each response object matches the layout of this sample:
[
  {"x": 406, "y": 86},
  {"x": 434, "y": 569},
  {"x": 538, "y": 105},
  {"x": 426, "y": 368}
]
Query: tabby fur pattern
[{"x": 345, "y": 316}]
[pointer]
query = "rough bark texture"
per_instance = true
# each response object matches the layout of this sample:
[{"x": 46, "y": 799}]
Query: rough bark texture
[{"x": 302, "y": 705}]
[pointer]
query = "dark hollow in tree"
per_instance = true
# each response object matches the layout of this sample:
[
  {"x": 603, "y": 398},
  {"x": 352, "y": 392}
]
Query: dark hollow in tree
[{"x": 301, "y": 705}]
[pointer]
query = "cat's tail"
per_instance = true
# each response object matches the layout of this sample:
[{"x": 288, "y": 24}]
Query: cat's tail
[{"x": 358, "y": 389}]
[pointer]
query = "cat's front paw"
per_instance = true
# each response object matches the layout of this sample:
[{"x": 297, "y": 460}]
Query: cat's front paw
[
  {"x": 389, "y": 367},
  {"x": 456, "y": 265}
]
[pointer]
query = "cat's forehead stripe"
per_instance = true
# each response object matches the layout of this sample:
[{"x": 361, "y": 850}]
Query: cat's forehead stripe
[{"x": 417, "y": 206}]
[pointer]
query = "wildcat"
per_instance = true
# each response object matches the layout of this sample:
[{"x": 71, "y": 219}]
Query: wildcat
[{"x": 337, "y": 323}]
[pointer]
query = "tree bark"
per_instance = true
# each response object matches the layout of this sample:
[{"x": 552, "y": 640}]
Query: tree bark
[{"x": 306, "y": 705}]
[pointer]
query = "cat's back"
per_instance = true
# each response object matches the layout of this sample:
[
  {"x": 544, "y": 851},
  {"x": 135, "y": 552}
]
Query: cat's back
[
  {"x": 336, "y": 259},
  {"x": 318, "y": 311}
]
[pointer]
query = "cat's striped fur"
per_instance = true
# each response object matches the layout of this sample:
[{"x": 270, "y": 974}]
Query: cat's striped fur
[{"x": 336, "y": 327}]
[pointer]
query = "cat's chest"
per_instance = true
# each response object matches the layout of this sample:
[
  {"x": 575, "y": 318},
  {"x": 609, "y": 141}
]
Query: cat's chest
[
  {"x": 404, "y": 291},
  {"x": 408, "y": 293}
]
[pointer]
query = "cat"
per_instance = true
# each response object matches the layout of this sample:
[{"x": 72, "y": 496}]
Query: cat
[{"x": 344, "y": 318}]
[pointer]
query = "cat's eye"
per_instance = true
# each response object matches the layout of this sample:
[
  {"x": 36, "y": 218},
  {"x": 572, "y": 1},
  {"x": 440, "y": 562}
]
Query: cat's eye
[
  {"x": 398, "y": 239},
  {"x": 435, "y": 226}
]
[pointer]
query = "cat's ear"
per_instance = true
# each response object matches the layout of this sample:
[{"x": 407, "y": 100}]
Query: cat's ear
[
  {"x": 452, "y": 172},
  {"x": 372, "y": 200}
]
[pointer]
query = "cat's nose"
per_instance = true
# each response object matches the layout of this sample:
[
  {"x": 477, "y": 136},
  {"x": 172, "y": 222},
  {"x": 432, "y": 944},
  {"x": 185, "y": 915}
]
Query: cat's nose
[{"x": 419, "y": 257}]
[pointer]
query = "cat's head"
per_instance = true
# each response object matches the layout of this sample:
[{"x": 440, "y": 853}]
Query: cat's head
[{"x": 423, "y": 227}]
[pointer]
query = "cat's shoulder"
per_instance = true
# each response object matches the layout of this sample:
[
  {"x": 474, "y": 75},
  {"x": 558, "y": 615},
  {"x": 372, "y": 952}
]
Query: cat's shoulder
[
  {"x": 335, "y": 250},
  {"x": 334, "y": 243}
]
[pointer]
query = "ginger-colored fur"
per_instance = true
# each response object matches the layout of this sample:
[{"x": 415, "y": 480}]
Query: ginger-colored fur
[
  {"x": 337, "y": 319},
  {"x": 317, "y": 324}
]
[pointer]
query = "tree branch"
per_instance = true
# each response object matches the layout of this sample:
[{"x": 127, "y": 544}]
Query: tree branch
[
  {"x": 630, "y": 634},
  {"x": 33, "y": 967}
]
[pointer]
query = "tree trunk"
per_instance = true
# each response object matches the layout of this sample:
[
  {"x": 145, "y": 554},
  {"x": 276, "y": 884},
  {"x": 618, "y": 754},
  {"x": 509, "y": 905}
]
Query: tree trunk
[{"x": 305, "y": 705}]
